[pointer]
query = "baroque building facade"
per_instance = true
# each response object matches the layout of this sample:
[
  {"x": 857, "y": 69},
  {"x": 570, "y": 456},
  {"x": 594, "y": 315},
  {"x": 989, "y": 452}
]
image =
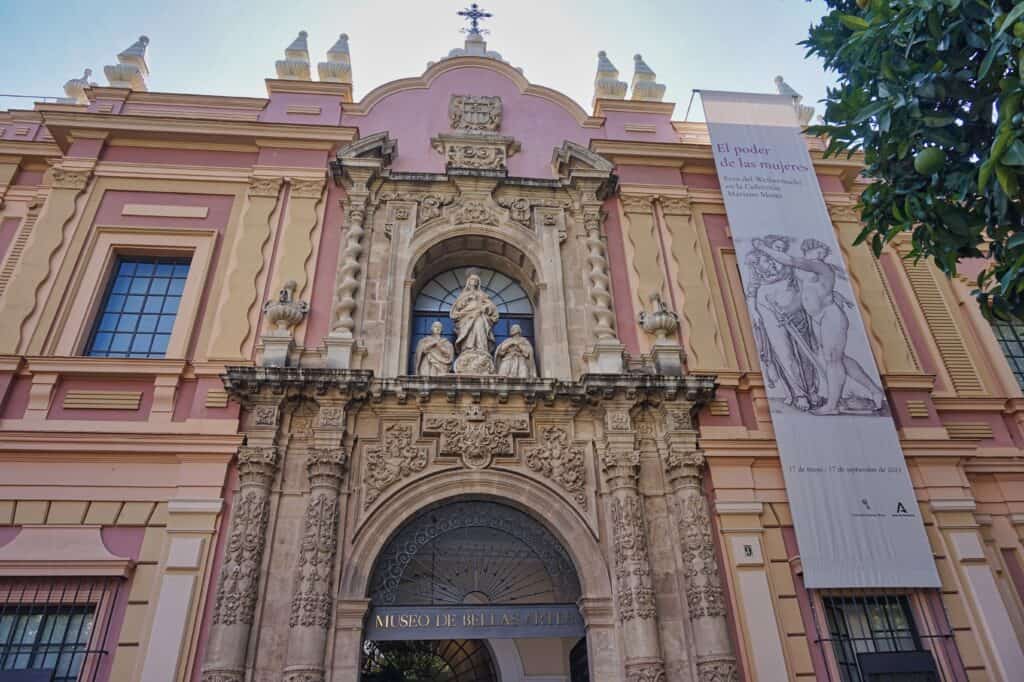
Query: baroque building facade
[{"x": 457, "y": 376}]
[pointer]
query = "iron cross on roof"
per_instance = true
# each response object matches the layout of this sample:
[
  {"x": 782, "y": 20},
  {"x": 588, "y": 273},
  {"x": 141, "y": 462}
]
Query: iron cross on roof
[{"x": 474, "y": 14}]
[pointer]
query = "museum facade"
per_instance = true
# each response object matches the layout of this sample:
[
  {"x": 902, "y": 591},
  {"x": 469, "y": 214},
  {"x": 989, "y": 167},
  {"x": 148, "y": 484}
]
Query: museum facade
[{"x": 454, "y": 382}]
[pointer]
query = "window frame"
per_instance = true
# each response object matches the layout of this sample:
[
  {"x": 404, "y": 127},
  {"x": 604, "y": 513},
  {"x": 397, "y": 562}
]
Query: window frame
[
  {"x": 1017, "y": 330},
  {"x": 107, "y": 245},
  {"x": 119, "y": 260}
]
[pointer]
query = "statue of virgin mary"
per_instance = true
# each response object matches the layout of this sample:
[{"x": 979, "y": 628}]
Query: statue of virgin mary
[{"x": 474, "y": 314}]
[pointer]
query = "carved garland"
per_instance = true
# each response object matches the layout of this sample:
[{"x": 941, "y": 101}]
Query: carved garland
[
  {"x": 704, "y": 595},
  {"x": 311, "y": 601},
  {"x": 236, "y": 594},
  {"x": 632, "y": 570}
]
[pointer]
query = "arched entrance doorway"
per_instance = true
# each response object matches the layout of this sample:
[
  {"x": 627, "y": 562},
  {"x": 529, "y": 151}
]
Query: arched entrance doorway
[{"x": 463, "y": 579}]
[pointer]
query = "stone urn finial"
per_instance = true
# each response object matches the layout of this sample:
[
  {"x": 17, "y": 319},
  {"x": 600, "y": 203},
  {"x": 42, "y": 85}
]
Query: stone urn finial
[
  {"x": 660, "y": 321},
  {"x": 285, "y": 312}
]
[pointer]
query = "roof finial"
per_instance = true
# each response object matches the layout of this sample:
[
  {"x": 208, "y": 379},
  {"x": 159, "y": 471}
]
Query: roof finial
[
  {"x": 295, "y": 65},
  {"x": 131, "y": 69},
  {"x": 606, "y": 83},
  {"x": 644, "y": 86},
  {"x": 338, "y": 67},
  {"x": 74, "y": 89},
  {"x": 804, "y": 113}
]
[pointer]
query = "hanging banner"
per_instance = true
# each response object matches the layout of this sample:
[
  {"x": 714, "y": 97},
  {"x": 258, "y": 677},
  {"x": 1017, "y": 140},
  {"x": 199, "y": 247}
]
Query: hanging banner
[{"x": 853, "y": 505}]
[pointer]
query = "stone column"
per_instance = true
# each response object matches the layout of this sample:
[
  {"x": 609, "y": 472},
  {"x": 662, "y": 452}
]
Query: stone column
[
  {"x": 704, "y": 597},
  {"x": 238, "y": 584},
  {"x": 312, "y": 599},
  {"x": 634, "y": 588}
]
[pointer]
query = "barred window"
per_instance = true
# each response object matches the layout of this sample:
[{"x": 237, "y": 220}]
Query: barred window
[
  {"x": 55, "y": 628},
  {"x": 1011, "y": 340},
  {"x": 139, "y": 308},
  {"x": 874, "y": 638}
]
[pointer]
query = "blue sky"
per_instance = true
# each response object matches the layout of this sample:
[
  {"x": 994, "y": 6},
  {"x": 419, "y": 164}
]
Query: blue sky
[{"x": 222, "y": 47}]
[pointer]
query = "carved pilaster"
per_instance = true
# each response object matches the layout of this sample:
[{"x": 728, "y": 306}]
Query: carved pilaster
[
  {"x": 634, "y": 588},
  {"x": 351, "y": 265},
  {"x": 705, "y": 598},
  {"x": 600, "y": 289},
  {"x": 312, "y": 600},
  {"x": 237, "y": 588}
]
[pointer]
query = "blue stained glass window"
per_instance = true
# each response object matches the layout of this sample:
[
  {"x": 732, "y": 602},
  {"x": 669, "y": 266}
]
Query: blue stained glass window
[
  {"x": 436, "y": 297},
  {"x": 138, "y": 311}
]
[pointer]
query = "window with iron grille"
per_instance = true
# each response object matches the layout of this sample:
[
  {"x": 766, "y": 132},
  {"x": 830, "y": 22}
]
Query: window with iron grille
[
  {"x": 138, "y": 310},
  {"x": 1011, "y": 340},
  {"x": 874, "y": 638},
  {"x": 56, "y": 629}
]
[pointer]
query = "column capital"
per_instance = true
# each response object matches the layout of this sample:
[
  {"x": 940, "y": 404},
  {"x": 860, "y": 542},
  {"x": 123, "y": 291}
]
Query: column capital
[
  {"x": 257, "y": 465},
  {"x": 326, "y": 466}
]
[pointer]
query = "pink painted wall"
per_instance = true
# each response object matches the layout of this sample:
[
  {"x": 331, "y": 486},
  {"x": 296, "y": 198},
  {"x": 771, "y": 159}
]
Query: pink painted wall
[
  {"x": 292, "y": 158},
  {"x": 28, "y": 178},
  {"x": 8, "y": 228},
  {"x": 318, "y": 322},
  {"x": 190, "y": 402},
  {"x": 277, "y": 109},
  {"x": 414, "y": 116},
  {"x": 616, "y": 121},
  {"x": 649, "y": 175},
  {"x": 622, "y": 297},
  {"x": 218, "y": 209},
  {"x": 187, "y": 157}
]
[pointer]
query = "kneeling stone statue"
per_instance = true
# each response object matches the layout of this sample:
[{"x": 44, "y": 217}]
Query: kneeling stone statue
[{"x": 514, "y": 356}]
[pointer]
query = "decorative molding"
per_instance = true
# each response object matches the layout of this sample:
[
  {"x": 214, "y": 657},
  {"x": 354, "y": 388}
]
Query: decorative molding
[
  {"x": 265, "y": 187},
  {"x": 102, "y": 400},
  {"x": 476, "y": 152},
  {"x": 969, "y": 430},
  {"x": 475, "y": 437},
  {"x": 640, "y": 128},
  {"x": 646, "y": 671},
  {"x": 719, "y": 408},
  {"x": 216, "y": 398},
  {"x": 475, "y": 211},
  {"x": 69, "y": 179},
  {"x": 307, "y": 188},
  {"x": 164, "y": 211},
  {"x": 393, "y": 458},
  {"x": 303, "y": 109},
  {"x": 953, "y": 505},
  {"x": 917, "y": 408},
  {"x": 560, "y": 459}
]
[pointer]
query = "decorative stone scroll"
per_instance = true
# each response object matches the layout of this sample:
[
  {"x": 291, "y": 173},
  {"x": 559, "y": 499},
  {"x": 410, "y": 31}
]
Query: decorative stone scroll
[
  {"x": 476, "y": 152},
  {"x": 560, "y": 459},
  {"x": 394, "y": 458},
  {"x": 475, "y": 437}
]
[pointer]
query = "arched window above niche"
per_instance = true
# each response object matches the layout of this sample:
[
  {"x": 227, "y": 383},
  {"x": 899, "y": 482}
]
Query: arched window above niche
[{"x": 434, "y": 302}]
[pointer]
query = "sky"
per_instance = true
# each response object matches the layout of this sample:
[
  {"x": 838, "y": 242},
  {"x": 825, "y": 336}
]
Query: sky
[{"x": 228, "y": 47}]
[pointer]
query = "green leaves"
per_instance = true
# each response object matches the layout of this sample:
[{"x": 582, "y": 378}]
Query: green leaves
[{"x": 940, "y": 75}]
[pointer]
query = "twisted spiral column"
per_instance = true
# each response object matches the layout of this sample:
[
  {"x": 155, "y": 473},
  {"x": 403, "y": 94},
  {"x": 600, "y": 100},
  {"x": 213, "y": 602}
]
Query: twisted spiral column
[
  {"x": 600, "y": 290},
  {"x": 343, "y": 321}
]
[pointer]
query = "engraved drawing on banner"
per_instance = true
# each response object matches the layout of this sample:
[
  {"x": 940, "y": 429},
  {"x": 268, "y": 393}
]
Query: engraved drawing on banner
[{"x": 801, "y": 329}]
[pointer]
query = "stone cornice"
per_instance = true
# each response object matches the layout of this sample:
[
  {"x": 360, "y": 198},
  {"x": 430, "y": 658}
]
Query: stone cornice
[
  {"x": 28, "y": 148},
  {"x": 178, "y": 98},
  {"x": 341, "y": 90},
  {"x": 60, "y": 125},
  {"x": 601, "y": 106}
]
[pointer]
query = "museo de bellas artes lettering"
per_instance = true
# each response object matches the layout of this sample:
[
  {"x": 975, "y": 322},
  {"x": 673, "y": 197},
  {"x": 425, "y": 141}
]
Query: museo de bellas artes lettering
[
  {"x": 853, "y": 504},
  {"x": 473, "y": 622}
]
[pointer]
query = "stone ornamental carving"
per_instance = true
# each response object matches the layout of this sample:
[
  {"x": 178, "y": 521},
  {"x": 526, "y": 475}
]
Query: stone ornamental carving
[
  {"x": 474, "y": 314},
  {"x": 645, "y": 672},
  {"x": 678, "y": 419},
  {"x": 265, "y": 415},
  {"x": 475, "y": 437},
  {"x": 659, "y": 320},
  {"x": 311, "y": 601},
  {"x": 473, "y": 211},
  {"x": 703, "y": 589},
  {"x": 131, "y": 70},
  {"x": 635, "y": 593},
  {"x": 239, "y": 577},
  {"x": 717, "y": 671},
  {"x": 434, "y": 353},
  {"x": 351, "y": 267},
  {"x": 431, "y": 206},
  {"x": 392, "y": 460},
  {"x": 518, "y": 209},
  {"x": 618, "y": 420},
  {"x": 264, "y": 187},
  {"x": 844, "y": 213},
  {"x": 475, "y": 113},
  {"x": 600, "y": 292},
  {"x": 307, "y": 188},
  {"x": 68, "y": 179},
  {"x": 285, "y": 312},
  {"x": 330, "y": 417},
  {"x": 476, "y": 151},
  {"x": 562, "y": 461}
]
